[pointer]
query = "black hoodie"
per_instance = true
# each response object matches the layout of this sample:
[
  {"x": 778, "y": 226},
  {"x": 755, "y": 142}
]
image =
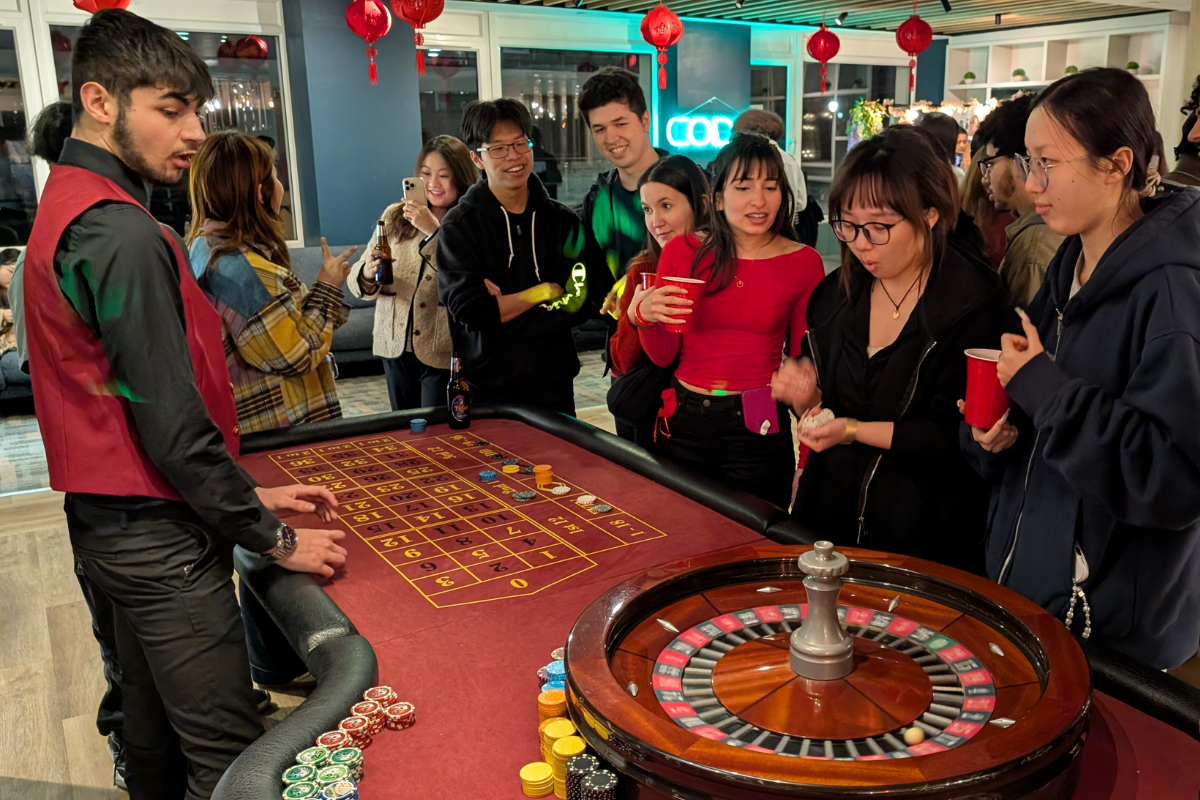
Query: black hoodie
[
  {"x": 1110, "y": 462},
  {"x": 475, "y": 243},
  {"x": 919, "y": 498}
]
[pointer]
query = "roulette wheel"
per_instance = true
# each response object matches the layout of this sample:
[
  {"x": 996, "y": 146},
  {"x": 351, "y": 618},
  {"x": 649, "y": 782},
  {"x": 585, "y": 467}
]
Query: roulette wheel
[{"x": 795, "y": 672}]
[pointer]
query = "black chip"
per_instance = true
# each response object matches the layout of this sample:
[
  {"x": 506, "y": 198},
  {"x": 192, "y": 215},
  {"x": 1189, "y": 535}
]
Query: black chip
[
  {"x": 481, "y": 443},
  {"x": 526, "y": 470},
  {"x": 499, "y": 455}
]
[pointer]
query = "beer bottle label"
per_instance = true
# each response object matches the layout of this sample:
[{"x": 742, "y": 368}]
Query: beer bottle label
[{"x": 459, "y": 408}]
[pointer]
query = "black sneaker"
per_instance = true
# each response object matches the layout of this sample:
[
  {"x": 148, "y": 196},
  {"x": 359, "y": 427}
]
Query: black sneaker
[
  {"x": 116, "y": 751},
  {"x": 263, "y": 700}
]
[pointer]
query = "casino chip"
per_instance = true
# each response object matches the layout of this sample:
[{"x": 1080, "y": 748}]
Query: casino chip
[
  {"x": 558, "y": 654},
  {"x": 351, "y": 758},
  {"x": 332, "y": 774},
  {"x": 510, "y": 469},
  {"x": 523, "y": 497},
  {"x": 341, "y": 790},
  {"x": 556, "y": 671},
  {"x": 601, "y": 508},
  {"x": 599, "y": 785},
  {"x": 315, "y": 757},
  {"x": 332, "y": 740},
  {"x": 416, "y": 425},
  {"x": 487, "y": 476},
  {"x": 384, "y": 695},
  {"x": 585, "y": 499},
  {"x": 499, "y": 455},
  {"x": 537, "y": 779},
  {"x": 481, "y": 443},
  {"x": 302, "y": 791},
  {"x": 526, "y": 470},
  {"x": 578, "y": 768},
  {"x": 299, "y": 773},
  {"x": 511, "y": 462},
  {"x": 548, "y": 685},
  {"x": 560, "y": 489},
  {"x": 400, "y": 716}
]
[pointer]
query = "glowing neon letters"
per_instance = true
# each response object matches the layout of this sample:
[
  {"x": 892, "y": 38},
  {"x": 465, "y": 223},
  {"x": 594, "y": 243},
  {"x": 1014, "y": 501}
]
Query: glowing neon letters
[{"x": 699, "y": 132}]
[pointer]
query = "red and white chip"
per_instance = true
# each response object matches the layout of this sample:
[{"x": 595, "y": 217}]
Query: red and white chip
[
  {"x": 334, "y": 740},
  {"x": 355, "y": 726},
  {"x": 401, "y": 715},
  {"x": 384, "y": 695},
  {"x": 367, "y": 708}
]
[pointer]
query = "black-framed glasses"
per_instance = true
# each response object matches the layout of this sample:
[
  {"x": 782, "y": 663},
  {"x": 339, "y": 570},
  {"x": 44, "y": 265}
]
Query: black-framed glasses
[
  {"x": 877, "y": 233},
  {"x": 986, "y": 165},
  {"x": 499, "y": 151}
]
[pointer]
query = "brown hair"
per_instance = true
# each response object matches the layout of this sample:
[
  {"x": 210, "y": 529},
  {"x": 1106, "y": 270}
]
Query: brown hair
[
  {"x": 898, "y": 169},
  {"x": 681, "y": 174},
  {"x": 462, "y": 175},
  {"x": 735, "y": 162},
  {"x": 232, "y": 183}
]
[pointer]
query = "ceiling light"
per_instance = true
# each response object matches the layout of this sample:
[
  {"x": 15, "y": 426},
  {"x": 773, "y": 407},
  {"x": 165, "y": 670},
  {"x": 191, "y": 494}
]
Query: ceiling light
[
  {"x": 841, "y": 18},
  {"x": 946, "y": 6},
  {"x": 998, "y": 16},
  {"x": 739, "y": 3}
]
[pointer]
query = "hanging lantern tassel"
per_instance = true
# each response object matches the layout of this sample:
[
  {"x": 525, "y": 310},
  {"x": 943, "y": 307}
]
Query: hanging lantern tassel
[
  {"x": 913, "y": 37},
  {"x": 823, "y": 46},
  {"x": 418, "y": 40},
  {"x": 663, "y": 29},
  {"x": 369, "y": 20},
  {"x": 419, "y": 13}
]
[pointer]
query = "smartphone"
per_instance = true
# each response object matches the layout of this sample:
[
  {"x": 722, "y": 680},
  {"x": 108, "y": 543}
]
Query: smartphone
[{"x": 414, "y": 191}]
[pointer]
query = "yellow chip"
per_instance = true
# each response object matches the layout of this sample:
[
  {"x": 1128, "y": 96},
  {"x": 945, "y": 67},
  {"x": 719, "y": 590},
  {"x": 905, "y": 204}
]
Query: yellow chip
[
  {"x": 537, "y": 772},
  {"x": 511, "y": 468},
  {"x": 557, "y": 730},
  {"x": 569, "y": 747}
]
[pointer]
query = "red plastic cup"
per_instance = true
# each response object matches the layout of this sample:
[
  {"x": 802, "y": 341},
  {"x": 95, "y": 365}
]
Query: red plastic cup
[
  {"x": 986, "y": 401},
  {"x": 649, "y": 280},
  {"x": 695, "y": 292}
]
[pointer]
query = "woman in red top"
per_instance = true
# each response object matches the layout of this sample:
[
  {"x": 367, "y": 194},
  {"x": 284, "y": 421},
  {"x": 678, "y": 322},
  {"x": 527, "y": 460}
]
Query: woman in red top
[{"x": 722, "y": 420}]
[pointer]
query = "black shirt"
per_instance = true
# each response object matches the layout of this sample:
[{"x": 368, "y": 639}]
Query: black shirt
[{"x": 119, "y": 273}]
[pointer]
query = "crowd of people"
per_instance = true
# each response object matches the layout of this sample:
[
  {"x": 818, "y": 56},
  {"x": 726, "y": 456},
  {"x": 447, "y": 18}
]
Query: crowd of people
[{"x": 1049, "y": 237}]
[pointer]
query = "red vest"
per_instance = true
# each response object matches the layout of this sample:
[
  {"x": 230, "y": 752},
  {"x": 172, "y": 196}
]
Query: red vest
[{"x": 92, "y": 443}]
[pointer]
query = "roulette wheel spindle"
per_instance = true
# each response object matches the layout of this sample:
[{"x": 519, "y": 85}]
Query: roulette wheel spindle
[{"x": 821, "y": 649}]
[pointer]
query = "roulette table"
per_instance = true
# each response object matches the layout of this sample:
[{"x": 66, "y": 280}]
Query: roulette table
[{"x": 456, "y": 591}]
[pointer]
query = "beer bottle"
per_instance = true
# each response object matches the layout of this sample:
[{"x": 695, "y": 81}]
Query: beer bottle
[
  {"x": 383, "y": 275},
  {"x": 458, "y": 395}
]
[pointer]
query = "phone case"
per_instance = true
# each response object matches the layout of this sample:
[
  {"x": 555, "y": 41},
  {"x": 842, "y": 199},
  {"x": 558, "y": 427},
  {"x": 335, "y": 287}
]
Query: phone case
[{"x": 760, "y": 411}]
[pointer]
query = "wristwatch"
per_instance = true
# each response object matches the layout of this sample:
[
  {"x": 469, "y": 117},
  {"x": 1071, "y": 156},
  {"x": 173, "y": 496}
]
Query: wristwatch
[{"x": 285, "y": 543}]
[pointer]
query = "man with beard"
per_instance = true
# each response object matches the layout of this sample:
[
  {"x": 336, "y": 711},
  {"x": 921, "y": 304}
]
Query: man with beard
[
  {"x": 137, "y": 414},
  {"x": 1031, "y": 245}
]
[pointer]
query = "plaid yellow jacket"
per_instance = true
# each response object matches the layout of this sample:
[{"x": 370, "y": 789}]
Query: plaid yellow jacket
[{"x": 277, "y": 338}]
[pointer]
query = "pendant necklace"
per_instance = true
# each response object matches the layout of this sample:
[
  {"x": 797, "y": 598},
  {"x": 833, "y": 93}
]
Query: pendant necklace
[{"x": 896, "y": 313}]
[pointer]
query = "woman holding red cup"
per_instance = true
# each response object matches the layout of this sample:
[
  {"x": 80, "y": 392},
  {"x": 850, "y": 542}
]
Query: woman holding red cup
[
  {"x": 719, "y": 417},
  {"x": 885, "y": 356}
]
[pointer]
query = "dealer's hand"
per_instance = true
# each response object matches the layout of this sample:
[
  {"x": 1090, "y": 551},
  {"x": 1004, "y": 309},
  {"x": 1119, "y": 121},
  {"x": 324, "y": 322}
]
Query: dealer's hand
[
  {"x": 304, "y": 499},
  {"x": 664, "y": 304},
  {"x": 1017, "y": 351},
  {"x": 822, "y": 437},
  {"x": 996, "y": 439},
  {"x": 317, "y": 551}
]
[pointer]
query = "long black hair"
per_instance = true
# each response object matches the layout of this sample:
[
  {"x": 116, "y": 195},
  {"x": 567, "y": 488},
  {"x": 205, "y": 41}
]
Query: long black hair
[
  {"x": 1105, "y": 109},
  {"x": 746, "y": 154},
  {"x": 682, "y": 175}
]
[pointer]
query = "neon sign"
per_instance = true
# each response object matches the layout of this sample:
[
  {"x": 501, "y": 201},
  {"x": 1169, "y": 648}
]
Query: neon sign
[{"x": 712, "y": 132}]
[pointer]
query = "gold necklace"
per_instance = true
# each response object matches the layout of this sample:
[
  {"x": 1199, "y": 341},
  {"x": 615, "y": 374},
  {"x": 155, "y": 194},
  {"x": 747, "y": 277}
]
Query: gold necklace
[{"x": 896, "y": 313}]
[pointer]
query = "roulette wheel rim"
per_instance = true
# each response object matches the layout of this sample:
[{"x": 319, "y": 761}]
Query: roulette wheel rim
[{"x": 648, "y": 745}]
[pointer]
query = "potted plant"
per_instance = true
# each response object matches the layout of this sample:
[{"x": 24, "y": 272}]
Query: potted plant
[
  {"x": 969, "y": 77},
  {"x": 1132, "y": 66},
  {"x": 1019, "y": 74},
  {"x": 1072, "y": 70}
]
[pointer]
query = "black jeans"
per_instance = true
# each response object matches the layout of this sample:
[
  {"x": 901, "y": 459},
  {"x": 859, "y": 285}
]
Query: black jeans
[
  {"x": 189, "y": 705},
  {"x": 414, "y": 384},
  {"x": 111, "y": 717},
  {"x": 709, "y": 436},
  {"x": 552, "y": 398},
  {"x": 272, "y": 659}
]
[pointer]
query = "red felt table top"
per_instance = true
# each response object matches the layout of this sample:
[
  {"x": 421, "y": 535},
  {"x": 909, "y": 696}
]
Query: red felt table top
[{"x": 463, "y": 593}]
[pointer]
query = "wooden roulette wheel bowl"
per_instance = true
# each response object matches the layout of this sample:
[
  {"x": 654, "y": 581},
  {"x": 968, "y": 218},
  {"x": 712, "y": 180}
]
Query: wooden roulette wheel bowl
[{"x": 679, "y": 677}]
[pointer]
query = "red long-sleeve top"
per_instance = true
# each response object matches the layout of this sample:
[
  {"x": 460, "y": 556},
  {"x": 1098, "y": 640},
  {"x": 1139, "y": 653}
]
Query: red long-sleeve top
[
  {"x": 624, "y": 349},
  {"x": 736, "y": 337}
]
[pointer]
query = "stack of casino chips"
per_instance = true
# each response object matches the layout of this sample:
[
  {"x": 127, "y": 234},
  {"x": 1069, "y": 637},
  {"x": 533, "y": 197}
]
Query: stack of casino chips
[
  {"x": 315, "y": 757},
  {"x": 561, "y": 752},
  {"x": 599, "y": 785},
  {"x": 537, "y": 779},
  {"x": 351, "y": 758},
  {"x": 340, "y": 790},
  {"x": 334, "y": 740},
  {"x": 359, "y": 729},
  {"x": 552, "y": 731},
  {"x": 384, "y": 695},
  {"x": 400, "y": 716},
  {"x": 556, "y": 676},
  {"x": 552, "y": 703},
  {"x": 578, "y": 768},
  {"x": 373, "y": 711}
]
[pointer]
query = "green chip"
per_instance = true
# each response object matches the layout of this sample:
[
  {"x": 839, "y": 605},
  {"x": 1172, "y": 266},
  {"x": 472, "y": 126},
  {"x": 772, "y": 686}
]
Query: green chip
[
  {"x": 347, "y": 756},
  {"x": 302, "y": 791},
  {"x": 333, "y": 774},
  {"x": 313, "y": 757},
  {"x": 299, "y": 774}
]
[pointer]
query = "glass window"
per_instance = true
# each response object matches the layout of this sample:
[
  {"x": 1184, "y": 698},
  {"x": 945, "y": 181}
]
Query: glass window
[
  {"x": 816, "y": 130},
  {"x": 548, "y": 83},
  {"x": 249, "y": 97},
  {"x": 18, "y": 195},
  {"x": 768, "y": 91},
  {"x": 451, "y": 81}
]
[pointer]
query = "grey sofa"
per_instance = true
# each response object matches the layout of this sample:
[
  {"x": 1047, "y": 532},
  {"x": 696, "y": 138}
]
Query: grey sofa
[{"x": 352, "y": 341}]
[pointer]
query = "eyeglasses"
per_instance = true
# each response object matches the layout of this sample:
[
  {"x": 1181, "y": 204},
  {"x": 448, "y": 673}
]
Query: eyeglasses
[
  {"x": 1040, "y": 169},
  {"x": 877, "y": 233},
  {"x": 499, "y": 151},
  {"x": 985, "y": 166}
]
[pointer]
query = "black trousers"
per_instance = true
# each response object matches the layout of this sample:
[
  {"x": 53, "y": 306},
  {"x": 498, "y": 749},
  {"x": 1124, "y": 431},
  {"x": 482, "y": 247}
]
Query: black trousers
[
  {"x": 272, "y": 659},
  {"x": 188, "y": 702},
  {"x": 110, "y": 719},
  {"x": 709, "y": 436},
  {"x": 412, "y": 383},
  {"x": 552, "y": 398}
]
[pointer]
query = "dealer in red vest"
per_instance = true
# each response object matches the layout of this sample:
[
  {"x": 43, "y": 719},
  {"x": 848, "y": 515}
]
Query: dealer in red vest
[{"x": 137, "y": 414}]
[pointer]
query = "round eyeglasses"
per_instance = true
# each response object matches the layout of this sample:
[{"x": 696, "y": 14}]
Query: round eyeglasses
[
  {"x": 1040, "y": 168},
  {"x": 876, "y": 233},
  {"x": 499, "y": 151}
]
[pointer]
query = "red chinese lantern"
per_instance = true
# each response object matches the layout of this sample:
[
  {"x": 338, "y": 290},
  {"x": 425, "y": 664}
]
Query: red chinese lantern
[
  {"x": 823, "y": 46},
  {"x": 92, "y": 6},
  {"x": 370, "y": 21},
  {"x": 419, "y": 13},
  {"x": 663, "y": 29},
  {"x": 251, "y": 48},
  {"x": 913, "y": 37}
]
